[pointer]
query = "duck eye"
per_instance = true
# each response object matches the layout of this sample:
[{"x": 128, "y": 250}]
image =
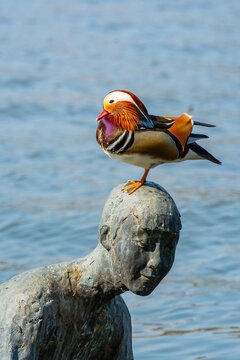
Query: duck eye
[{"x": 111, "y": 101}]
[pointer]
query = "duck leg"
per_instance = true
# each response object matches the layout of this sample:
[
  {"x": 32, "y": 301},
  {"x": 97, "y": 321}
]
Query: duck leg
[{"x": 132, "y": 186}]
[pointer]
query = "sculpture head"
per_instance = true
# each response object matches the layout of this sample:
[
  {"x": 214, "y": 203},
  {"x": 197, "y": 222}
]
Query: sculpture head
[{"x": 140, "y": 233}]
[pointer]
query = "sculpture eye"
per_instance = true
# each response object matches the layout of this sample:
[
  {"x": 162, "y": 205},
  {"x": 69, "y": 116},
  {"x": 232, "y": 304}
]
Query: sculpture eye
[
  {"x": 143, "y": 245},
  {"x": 111, "y": 101}
]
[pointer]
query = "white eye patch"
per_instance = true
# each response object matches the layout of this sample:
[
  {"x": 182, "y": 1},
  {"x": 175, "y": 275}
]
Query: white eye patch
[
  {"x": 119, "y": 96},
  {"x": 116, "y": 96}
]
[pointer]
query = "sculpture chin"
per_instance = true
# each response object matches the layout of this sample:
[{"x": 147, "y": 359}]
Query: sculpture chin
[
  {"x": 143, "y": 292},
  {"x": 143, "y": 286}
]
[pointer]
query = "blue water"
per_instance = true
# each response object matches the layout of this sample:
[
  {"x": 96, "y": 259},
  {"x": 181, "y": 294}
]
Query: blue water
[{"x": 58, "y": 59}]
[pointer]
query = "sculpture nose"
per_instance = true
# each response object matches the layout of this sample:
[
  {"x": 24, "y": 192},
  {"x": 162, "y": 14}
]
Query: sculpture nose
[{"x": 155, "y": 258}]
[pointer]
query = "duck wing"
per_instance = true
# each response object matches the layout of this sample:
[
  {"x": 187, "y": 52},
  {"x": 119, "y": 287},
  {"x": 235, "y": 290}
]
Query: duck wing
[{"x": 161, "y": 122}]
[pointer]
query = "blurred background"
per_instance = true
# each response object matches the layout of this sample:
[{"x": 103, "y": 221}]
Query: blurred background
[{"x": 58, "y": 60}]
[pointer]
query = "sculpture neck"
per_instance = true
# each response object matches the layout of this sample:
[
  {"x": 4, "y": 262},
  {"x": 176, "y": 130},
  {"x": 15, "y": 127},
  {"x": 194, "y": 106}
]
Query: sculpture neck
[{"x": 94, "y": 277}]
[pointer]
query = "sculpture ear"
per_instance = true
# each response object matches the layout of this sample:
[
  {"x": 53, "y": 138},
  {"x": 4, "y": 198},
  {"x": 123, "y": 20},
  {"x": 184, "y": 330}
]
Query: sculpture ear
[{"x": 103, "y": 237}]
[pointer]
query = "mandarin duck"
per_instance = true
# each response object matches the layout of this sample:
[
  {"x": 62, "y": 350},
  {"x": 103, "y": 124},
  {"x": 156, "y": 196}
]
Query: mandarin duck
[{"x": 128, "y": 133}]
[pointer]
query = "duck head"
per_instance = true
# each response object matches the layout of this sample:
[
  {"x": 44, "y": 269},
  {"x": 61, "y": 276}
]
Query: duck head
[{"x": 125, "y": 110}]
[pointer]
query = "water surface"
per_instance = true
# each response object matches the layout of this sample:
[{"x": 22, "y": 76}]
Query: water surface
[{"x": 58, "y": 59}]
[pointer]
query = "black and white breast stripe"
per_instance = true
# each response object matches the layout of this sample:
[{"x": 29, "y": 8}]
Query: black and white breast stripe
[{"x": 122, "y": 142}]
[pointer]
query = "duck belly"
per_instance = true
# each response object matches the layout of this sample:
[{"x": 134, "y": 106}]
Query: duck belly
[{"x": 141, "y": 160}]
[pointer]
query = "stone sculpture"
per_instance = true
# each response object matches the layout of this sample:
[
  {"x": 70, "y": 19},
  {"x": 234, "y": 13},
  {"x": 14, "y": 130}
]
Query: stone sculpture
[{"x": 73, "y": 310}]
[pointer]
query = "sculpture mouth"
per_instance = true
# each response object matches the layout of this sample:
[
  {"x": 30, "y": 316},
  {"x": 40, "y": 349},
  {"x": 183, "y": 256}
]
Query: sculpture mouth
[{"x": 149, "y": 277}]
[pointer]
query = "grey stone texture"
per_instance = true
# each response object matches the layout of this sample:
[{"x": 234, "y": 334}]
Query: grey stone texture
[{"x": 73, "y": 310}]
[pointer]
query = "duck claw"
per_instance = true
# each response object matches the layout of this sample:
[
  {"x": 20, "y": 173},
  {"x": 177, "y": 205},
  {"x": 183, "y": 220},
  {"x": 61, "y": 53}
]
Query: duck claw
[{"x": 132, "y": 186}]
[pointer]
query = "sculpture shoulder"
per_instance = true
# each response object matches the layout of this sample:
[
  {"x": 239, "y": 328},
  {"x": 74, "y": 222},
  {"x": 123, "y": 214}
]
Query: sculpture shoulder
[{"x": 25, "y": 301}]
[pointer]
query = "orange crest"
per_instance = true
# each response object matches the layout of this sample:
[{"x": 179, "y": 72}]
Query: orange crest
[
  {"x": 126, "y": 116},
  {"x": 137, "y": 100}
]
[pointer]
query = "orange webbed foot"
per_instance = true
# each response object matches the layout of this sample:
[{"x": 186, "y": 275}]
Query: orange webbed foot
[{"x": 132, "y": 186}]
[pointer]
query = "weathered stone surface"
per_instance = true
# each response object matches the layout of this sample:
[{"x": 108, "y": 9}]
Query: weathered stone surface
[{"x": 73, "y": 310}]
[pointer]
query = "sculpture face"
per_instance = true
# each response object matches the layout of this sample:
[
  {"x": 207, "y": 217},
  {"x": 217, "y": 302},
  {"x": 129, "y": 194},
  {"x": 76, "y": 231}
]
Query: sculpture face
[
  {"x": 144, "y": 256},
  {"x": 140, "y": 234}
]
